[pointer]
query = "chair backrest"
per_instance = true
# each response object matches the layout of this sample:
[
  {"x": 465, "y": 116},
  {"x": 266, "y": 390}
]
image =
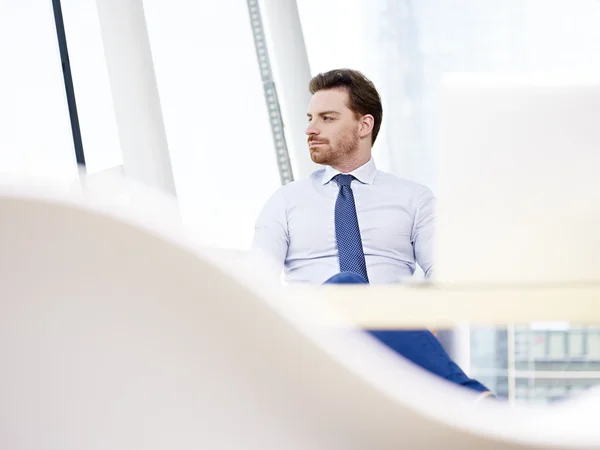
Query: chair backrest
[{"x": 118, "y": 332}]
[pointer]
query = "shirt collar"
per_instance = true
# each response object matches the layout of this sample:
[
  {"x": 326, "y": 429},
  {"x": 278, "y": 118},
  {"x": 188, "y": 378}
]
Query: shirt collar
[{"x": 365, "y": 173}]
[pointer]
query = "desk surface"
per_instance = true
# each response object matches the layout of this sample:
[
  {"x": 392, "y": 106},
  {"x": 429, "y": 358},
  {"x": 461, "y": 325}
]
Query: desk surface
[{"x": 379, "y": 307}]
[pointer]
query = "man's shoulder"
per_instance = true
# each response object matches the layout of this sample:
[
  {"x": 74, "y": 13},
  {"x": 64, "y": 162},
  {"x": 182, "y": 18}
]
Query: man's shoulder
[
  {"x": 297, "y": 189},
  {"x": 303, "y": 184},
  {"x": 401, "y": 184}
]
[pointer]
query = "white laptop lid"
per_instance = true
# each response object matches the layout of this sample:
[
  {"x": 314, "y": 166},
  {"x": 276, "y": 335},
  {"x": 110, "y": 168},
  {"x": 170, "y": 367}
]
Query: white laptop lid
[{"x": 518, "y": 180}]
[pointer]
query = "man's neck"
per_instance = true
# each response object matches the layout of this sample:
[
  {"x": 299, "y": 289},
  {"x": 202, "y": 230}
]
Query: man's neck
[{"x": 352, "y": 164}]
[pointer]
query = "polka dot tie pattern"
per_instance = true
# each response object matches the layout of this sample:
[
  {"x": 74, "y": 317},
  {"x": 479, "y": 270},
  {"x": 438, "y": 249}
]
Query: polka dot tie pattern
[{"x": 347, "y": 232}]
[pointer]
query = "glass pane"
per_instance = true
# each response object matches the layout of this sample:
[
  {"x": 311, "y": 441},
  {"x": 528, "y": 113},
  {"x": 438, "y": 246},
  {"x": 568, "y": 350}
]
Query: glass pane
[
  {"x": 594, "y": 345},
  {"x": 549, "y": 365},
  {"x": 217, "y": 123},
  {"x": 556, "y": 344},
  {"x": 90, "y": 79},
  {"x": 523, "y": 339},
  {"x": 575, "y": 343},
  {"x": 35, "y": 137},
  {"x": 541, "y": 392},
  {"x": 539, "y": 344}
]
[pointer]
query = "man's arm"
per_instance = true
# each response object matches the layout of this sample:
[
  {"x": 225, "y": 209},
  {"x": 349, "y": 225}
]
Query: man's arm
[
  {"x": 271, "y": 237},
  {"x": 423, "y": 228}
]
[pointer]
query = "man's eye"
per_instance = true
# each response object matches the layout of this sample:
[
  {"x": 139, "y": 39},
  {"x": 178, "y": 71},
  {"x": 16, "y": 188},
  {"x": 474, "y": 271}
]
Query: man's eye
[{"x": 327, "y": 119}]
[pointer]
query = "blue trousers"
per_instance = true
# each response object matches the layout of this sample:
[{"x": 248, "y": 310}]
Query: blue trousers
[{"x": 419, "y": 346}]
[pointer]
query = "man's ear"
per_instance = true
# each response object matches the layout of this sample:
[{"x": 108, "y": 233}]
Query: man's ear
[{"x": 366, "y": 124}]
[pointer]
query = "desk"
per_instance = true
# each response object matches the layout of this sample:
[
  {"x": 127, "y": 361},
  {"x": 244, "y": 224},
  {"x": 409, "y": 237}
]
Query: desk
[{"x": 415, "y": 306}]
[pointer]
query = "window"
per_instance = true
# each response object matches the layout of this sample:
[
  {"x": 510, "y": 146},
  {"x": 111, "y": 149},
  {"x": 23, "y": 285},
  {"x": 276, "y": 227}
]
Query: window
[
  {"x": 556, "y": 344},
  {"x": 576, "y": 344},
  {"x": 594, "y": 344},
  {"x": 541, "y": 393},
  {"x": 36, "y": 135},
  {"x": 539, "y": 344},
  {"x": 522, "y": 393}
]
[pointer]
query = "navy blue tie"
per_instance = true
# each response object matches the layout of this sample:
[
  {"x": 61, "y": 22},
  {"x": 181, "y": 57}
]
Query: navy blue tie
[{"x": 347, "y": 233}]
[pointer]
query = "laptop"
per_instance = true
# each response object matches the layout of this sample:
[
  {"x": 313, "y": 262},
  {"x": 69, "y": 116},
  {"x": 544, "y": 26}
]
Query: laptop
[{"x": 518, "y": 180}]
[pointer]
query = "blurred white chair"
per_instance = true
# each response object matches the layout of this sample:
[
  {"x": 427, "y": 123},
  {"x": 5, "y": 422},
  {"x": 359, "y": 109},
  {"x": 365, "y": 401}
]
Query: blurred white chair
[{"x": 118, "y": 332}]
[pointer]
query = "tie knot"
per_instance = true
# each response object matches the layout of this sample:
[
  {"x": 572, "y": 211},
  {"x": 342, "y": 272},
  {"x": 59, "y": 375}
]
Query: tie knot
[{"x": 343, "y": 180}]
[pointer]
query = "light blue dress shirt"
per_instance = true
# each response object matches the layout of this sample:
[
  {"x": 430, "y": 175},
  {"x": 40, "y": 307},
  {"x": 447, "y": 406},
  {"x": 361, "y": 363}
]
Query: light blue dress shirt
[{"x": 296, "y": 228}]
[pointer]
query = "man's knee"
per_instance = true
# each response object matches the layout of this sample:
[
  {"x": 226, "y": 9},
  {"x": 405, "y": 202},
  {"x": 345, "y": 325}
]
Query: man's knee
[{"x": 346, "y": 278}]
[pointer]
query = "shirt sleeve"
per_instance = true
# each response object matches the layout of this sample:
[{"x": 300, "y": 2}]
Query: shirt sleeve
[
  {"x": 423, "y": 230},
  {"x": 271, "y": 237}
]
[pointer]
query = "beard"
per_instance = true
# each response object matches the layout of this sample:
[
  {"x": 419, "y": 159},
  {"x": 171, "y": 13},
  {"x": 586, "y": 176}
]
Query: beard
[{"x": 329, "y": 155}]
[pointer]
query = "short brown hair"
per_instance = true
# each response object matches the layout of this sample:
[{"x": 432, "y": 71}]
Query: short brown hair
[{"x": 362, "y": 94}]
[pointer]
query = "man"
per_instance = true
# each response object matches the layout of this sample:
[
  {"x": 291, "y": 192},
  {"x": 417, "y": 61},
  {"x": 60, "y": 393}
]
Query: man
[{"x": 349, "y": 222}]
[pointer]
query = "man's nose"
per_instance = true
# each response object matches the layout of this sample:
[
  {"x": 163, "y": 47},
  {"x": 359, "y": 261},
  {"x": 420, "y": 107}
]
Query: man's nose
[{"x": 311, "y": 129}]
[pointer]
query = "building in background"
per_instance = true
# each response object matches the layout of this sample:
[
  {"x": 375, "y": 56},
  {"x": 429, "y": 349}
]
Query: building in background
[{"x": 555, "y": 362}]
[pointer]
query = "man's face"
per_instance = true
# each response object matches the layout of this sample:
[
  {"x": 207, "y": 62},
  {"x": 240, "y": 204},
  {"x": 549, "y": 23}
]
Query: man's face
[{"x": 332, "y": 127}]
